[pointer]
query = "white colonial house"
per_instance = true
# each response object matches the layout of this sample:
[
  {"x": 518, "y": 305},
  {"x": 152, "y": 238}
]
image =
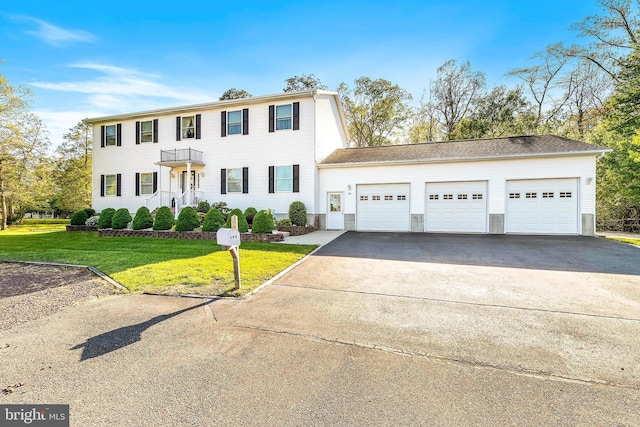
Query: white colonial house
[{"x": 269, "y": 151}]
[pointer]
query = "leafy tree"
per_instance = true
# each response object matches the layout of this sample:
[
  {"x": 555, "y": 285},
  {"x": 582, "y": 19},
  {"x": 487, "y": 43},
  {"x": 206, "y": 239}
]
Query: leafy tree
[
  {"x": 234, "y": 93},
  {"x": 303, "y": 82},
  {"x": 424, "y": 124},
  {"x": 73, "y": 168},
  {"x": 376, "y": 110},
  {"x": 454, "y": 93}
]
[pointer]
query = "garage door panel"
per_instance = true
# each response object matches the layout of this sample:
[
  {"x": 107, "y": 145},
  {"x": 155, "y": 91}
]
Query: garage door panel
[
  {"x": 547, "y": 206},
  {"x": 456, "y": 207},
  {"x": 383, "y": 207}
]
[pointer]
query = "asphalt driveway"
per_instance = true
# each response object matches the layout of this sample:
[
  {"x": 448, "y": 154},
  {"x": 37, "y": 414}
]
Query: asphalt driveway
[{"x": 373, "y": 329}]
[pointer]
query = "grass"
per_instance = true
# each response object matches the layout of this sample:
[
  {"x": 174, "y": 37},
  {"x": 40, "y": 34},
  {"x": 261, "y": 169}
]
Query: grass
[
  {"x": 145, "y": 264},
  {"x": 626, "y": 240}
]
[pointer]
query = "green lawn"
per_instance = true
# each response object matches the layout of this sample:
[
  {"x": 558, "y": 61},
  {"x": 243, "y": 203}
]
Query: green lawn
[
  {"x": 626, "y": 240},
  {"x": 152, "y": 265}
]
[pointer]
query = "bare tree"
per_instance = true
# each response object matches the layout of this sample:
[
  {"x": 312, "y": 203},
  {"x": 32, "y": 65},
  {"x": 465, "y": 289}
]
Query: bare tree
[{"x": 454, "y": 92}]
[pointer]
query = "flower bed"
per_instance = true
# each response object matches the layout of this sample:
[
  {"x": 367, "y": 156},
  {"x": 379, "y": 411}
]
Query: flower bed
[
  {"x": 296, "y": 230},
  {"x": 188, "y": 235}
]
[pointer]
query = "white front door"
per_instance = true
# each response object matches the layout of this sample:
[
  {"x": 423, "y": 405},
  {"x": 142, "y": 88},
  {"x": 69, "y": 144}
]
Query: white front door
[
  {"x": 183, "y": 181},
  {"x": 335, "y": 213}
]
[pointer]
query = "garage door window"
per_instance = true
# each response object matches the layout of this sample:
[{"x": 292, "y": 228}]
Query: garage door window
[
  {"x": 433, "y": 196},
  {"x": 364, "y": 198},
  {"x": 565, "y": 194},
  {"x": 402, "y": 197},
  {"x": 514, "y": 195},
  {"x": 531, "y": 195},
  {"x": 447, "y": 196},
  {"x": 547, "y": 195},
  {"x": 375, "y": 197},
  {"x": 477, "y": 197},
  {"x": 462, "y": 197}
]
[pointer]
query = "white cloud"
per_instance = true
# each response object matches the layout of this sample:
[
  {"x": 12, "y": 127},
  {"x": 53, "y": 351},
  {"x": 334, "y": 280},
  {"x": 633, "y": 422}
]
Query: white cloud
[{"x": 56, "y": 36}]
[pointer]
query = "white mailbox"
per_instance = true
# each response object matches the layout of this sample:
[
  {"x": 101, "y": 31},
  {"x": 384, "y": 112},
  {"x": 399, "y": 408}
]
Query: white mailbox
[{"x": 228, "y": 237}]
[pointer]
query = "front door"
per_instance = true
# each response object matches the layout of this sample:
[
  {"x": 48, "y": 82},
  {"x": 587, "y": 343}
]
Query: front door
[
  {"x": 335, "y": 215},
  {"x": 183, "y": 181}
]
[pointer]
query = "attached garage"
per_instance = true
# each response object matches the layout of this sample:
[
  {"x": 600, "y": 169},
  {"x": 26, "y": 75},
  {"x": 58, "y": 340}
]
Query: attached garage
[
  {"x": 382, "y": 207},
  {"x": 542, "y": 206},
  {"x": 458, "y": 207}
]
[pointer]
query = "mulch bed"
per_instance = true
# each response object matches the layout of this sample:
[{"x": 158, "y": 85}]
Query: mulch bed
[{"x": 31, "y": 291}]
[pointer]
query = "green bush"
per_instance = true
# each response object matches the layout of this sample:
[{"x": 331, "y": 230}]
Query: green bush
[
  {"x": 120, "y": 219},
  {"x": 243, "y": 226},
  {"x": 284, "y": 223},
  {"x": 143, "y": 219},
  {"x": 203, "y": 207},
  {"x": 187, "y": 220},
  {"x": 90, "y": 212},
  {"x": 249, "y": 213},
  {"x": 263, "y": 222},
  {"x": 298, "y": 213},
  {"x": 79, "y": 218},
  {"x": 213, "y": 221},
  {"x": 222, "y": 207},
  {"x": 106, "y": 217},
  {"x": 164, "y": 219}
]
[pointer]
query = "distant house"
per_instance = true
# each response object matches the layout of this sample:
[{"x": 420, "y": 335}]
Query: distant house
[{"x": 268, "y": 151}]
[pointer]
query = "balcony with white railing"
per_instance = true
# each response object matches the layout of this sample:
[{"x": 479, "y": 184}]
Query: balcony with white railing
[{"x": 180, "y": 157}]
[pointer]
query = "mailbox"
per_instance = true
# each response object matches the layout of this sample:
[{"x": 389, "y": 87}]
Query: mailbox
[{"x": 228, "y": 237}]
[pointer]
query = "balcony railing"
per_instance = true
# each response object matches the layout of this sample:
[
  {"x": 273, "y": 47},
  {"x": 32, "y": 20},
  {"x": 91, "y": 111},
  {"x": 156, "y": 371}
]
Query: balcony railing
[{"x": 181, "y": 155}]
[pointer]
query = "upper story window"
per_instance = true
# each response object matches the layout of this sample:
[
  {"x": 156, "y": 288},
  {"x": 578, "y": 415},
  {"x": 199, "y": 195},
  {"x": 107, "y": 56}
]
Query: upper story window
[
  {"x": 234, "y": 122},
  {"x": 188, "y": 127},
  {"x": 147, "y": 131},
  {"x": 283, "y": 117},
  {"x": 111, "y": 135}
]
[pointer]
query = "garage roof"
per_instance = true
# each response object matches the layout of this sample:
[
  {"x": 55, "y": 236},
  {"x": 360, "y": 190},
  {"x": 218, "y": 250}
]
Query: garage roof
[{"x": 475, "y": 149}]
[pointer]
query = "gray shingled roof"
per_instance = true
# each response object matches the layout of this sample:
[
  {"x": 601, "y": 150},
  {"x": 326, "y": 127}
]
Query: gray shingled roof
[{"x": 517, "y": 146}]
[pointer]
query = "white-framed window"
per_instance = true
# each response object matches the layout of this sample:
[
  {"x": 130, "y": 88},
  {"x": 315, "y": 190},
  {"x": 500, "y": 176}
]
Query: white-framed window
[
  {"x": 110, "y": 185},
  {"x": 284, "y": 114},
  {"x": 364, "y": 198},
  {"x": 402, "y": 197},
  {"x": 388, "y": 197},
  {"x": 477, "y": 197},
  {"x": 284, "y": 179},
  {"x": 110, "y": 135},
  {"x": 547, "y": 195},
  {"x": 514, "y": 195},
  {"x": 234, "y": 122},
  {"x": 565, "y": 194},
  {"x": 462, "y": 197},
  {"x": 146, "y": 131},
  {"x": 234, "y": 180},
  {"x": 375, "y": 198},
  {"x": 434, "y": 196},
  {"x": 531, "y": 195},
  {"x": 146, "y": 183},
  {"x": 188, "y": 127},
  {"x": 447, "y": 197}
]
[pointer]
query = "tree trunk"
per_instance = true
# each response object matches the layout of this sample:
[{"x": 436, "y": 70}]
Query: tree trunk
[{"x": 3, "y": 202}]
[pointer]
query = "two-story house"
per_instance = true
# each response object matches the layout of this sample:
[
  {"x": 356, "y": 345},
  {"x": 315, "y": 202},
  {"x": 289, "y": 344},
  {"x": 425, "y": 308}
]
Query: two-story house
[{"x": 269, "y": 151}]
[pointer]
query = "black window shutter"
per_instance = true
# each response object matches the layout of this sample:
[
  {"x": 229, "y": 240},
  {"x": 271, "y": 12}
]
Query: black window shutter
[
  {"x": 155, "y": 130},
  {"x": 272, "y": 118},
  {"x": 155, "y": 182},
  {"x": 223, "y": 181},
  {"x": 198, "y": 126},
  {"x": 223, "y": 124},
  {"x": 137, "y": 183},
  {"x": 119, "y": 135},
  {"x": 272, "y": 186},
  {"x": 119, "y": 185},
  {"x": 137, "y": 132},
  {"x": 178, "y": 122},
  {"x": 296, "y": 178},
  {"x": 102, "y": 131},
  {"x": 245, "y": 180},
  {"x": 102, "y": 185},
  {"x": 296, "y": 116},
  {"x": 245, "y": 121}
]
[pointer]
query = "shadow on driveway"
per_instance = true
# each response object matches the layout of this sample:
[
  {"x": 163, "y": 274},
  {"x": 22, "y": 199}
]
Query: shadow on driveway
[{"x": 562, "y": 253}]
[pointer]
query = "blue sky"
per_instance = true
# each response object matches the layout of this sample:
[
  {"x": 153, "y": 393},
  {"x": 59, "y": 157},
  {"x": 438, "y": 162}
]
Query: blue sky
[{"x": 88, "y": 59}]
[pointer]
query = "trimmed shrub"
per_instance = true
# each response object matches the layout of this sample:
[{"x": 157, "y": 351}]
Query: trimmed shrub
[
  {"x": 106, "y": 217},
  {"x": 213, "y": 220},
  {"x": 79, "y": 218},
  {"x": 164, "y": 219},
  {"x": 93, "y": 221},
  {"x": 298, "y": 213},
  {"x": 120, "y": 219},
  {"x": 222, "y": 207},
  {"x": 284, "y": 223},
  {"x": 263, "y": 222},
  {"x": 90, "y": 212},
  {"x": 203, "y": 207},
  {"x": 143, "y": 219},
  {"x": 243, "y": 226},
  {"x": 187, "y": 220}
]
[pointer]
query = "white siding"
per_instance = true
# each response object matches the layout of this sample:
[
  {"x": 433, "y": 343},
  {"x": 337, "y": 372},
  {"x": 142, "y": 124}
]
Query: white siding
[
  {"x": 257, "y": 151},
  {"x": 496, "y": 172}
]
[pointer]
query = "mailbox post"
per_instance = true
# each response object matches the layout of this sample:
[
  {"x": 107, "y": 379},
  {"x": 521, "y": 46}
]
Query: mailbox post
[{"x": 229, "y": 239}]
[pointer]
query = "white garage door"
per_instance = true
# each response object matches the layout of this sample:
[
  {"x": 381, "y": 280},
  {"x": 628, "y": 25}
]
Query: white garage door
[
  {"x": 544, "y": 206},
  {"x": 383, "y": 207},
  {"x": 456, "y": 207}
]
